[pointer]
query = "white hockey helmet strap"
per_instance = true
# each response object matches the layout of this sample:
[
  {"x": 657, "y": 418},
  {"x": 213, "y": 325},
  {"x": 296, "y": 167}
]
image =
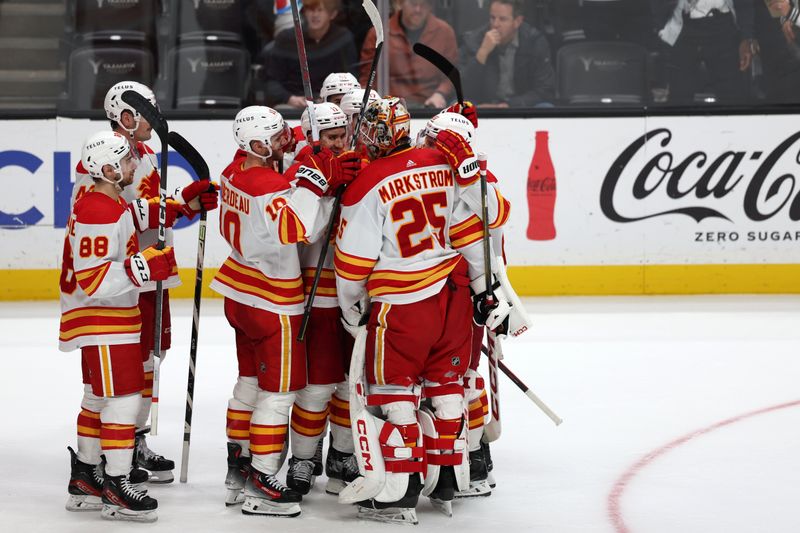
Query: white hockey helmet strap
[
  {"x": 114, "y": 105},
  {"x": 328, "y": 116},
  {"x": 105, "y": 148},
  {"x": 258, "y": 123}
]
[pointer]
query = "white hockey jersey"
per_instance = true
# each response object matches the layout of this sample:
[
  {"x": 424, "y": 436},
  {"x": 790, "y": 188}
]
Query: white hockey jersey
[
  {"x": 403, "y": 229},
  {"x": 146, "y": 186},
  {"x": 263, "y": 218},
  {"x": 99, "y": 303}
]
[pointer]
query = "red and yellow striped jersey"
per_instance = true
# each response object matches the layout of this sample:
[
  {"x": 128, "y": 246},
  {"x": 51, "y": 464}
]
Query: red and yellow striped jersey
[{"x": 99, "y": 303}]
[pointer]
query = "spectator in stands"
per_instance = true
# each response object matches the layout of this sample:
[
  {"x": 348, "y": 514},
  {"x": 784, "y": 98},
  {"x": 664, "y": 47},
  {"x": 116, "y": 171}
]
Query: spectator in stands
[
  {"x": 716, "y": 33},
  {"x": 507, "y": 62},
  {"x": 329, "y": 47},
  {"x": 780, "y": 54},
  {"x": 410, "y": 76}
]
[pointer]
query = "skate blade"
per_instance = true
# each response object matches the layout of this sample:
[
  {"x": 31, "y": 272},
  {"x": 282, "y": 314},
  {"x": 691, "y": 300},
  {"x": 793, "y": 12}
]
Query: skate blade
[
  {"x": 234, "y": 497},
  {"x": 160, "y": 478},
  {"x": 334, "y": 486},
  {"x": 113, "y": 512},
  {"x": 83, "y": 503},
  {"x": 264, "y": 507},
  {"x": 392, "y": 515},
  {"x": 479, "y": 489},
  {"x": 444, "y": 507}
]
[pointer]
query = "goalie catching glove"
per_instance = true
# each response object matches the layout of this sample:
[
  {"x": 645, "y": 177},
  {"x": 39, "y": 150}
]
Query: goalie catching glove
[
  {"x": 151, "y": 264},
  {"x": 459, "y": 155},
  {"x": 504, "y": 314},
  {"x": 325, "y": 171}
]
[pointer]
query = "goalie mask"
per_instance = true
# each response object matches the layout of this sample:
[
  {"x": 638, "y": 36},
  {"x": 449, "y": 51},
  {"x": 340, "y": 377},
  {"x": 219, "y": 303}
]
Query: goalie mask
[
  {"x": 328, "y": 116},
  {"x": 261, "y": 123},
  {"x": 114, "y": 105},
  {"x": 386, "y": 126}
]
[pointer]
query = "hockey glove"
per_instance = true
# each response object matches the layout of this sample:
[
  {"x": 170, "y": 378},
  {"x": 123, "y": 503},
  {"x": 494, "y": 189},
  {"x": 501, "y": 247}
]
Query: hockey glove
[
  {"x": 146, "y": 213},
  {"x": 490, "y": 310},
  {"x": 466, "y": 110},
  {"x": 198, "y": 195},
  {"x": 316, "y": 173},
  {"x": 151, "y": 264},
  {"x": 355, "y": 317},
  {"x": 459, "y": 155},
  {"x": 351, "y": 164}
]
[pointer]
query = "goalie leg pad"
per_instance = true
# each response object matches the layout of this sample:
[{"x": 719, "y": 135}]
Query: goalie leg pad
[
  {"x": 477, "y": 407},
  {"x": 445, "y": 433}
]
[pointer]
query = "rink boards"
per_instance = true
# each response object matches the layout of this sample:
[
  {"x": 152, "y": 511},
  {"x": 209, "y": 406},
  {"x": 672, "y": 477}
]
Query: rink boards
[{"x": 659, "y": 205}]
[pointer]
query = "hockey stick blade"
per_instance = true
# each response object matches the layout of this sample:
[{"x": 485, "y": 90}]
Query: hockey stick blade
[
  {"x": 190, "y": 154},
  {"x": 444, "y": 65},
  {"x": 375, "y": 19},
  {"x": 143, "y": 106}
]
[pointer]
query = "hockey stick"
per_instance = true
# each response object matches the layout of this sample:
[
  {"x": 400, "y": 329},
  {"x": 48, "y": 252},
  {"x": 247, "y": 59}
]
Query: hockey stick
[
  {"x": 159, "y": 124},
  {"x": 375, "y": 18},
  {"x": 444, "y": 65},
  {"x": 526, "y": 390},
  {"x": 196, "y": 161},
  {"x": 303, "y": 59}
]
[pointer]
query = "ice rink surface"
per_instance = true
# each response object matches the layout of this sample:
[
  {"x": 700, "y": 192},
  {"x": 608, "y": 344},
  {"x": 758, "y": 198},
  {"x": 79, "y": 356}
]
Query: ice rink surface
[{"x": 681, "y": 415}]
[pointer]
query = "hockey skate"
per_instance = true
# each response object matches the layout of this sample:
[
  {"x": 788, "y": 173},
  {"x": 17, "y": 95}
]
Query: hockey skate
[
  {"x": 487, "y": 455},
  {"x": 122, "y": 501},
  {"x": 158, "y": 468},
  {"x": 265, "y": 495},
  {"x": 341, "y": 469},
  {"x": 85, "y": 485},
  {"x": 318, "y": 467},
  {"x": 238, "y": 471},
  {"x": 300, "y": 476},
  {"x": 442, "y": 495},
  {"x": 402, "y": 511},
  {"x": 478, "y": 477}
]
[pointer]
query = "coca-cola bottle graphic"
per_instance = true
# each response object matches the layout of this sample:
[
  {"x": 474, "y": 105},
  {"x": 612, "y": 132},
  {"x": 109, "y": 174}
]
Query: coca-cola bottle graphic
[{"x": 541, "y": 192}]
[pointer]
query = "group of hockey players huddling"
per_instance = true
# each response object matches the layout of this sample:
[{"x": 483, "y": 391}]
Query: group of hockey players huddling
[{"x": 390, "y": 355}]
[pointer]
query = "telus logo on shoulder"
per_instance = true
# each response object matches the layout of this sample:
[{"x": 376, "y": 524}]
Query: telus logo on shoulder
[{"x": 704, "y": 176}]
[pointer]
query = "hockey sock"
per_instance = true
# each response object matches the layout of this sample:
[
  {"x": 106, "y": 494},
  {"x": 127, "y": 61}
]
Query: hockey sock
[
  {"x": 341, "y": 435},
  {"x": 147, "y": 394},
  {"x": 269, "y": 426},
  {"x": 309, "y": 418},
  {"x": 240, "y": 411},
  {"x": 89, "y": 427},
  {"x": 117, "y": 432},
  {"x": 478, "y": 409}
]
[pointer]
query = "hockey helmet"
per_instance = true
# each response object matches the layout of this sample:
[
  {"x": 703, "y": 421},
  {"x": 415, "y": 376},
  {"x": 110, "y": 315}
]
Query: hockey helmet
[
  {"x": 328, "y": 116},
  {"x": 449, "y": 121},
  {"x": 386, "y": 126},
  {"x": 338, "y": 83},
  {"x": 261, "y": 123},
  {"x": 115, "y": 105},
  {"x": 104, "y": 148},
  {"x": 351, "y": 102}
]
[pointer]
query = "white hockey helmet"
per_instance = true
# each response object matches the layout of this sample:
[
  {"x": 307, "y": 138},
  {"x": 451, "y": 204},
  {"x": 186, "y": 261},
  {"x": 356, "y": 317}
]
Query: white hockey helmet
[
  {"x": 104, "y": 148},
  {"x": 328, "y": 116},
  {"x": 338, "y": 83},
  {"x": 260, "y": 123},
  {"x": 351, "y": 102},
  {"x": 449, "y": 121},
  {"x": 114, "y": 105},
  {"x": 386, "y": 125}
]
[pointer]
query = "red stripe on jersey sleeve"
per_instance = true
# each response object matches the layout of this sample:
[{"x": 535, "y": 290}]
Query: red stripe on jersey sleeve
[{"x": 352, "y": 267}]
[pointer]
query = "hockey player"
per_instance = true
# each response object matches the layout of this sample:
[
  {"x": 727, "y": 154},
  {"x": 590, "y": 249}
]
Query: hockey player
[
  {"x": 336, "y": 85},
  {"x": 461, "y": 129},
  {"x": 351, "y": 104},
  {"x": 101, "y": 275},
  {"x": 127, "y": 122},
  {"x": 328, "y": 348},
  {"x": 263, "y": 217},
  {"x": 401, "y": 230}
]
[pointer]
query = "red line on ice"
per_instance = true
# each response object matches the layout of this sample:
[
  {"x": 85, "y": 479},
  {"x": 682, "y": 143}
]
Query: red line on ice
[{"x": 614, "y": 508}]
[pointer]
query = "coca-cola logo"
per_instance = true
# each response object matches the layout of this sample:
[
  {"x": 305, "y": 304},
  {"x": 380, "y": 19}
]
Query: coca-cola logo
[{"x": 703, "y": 176}]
